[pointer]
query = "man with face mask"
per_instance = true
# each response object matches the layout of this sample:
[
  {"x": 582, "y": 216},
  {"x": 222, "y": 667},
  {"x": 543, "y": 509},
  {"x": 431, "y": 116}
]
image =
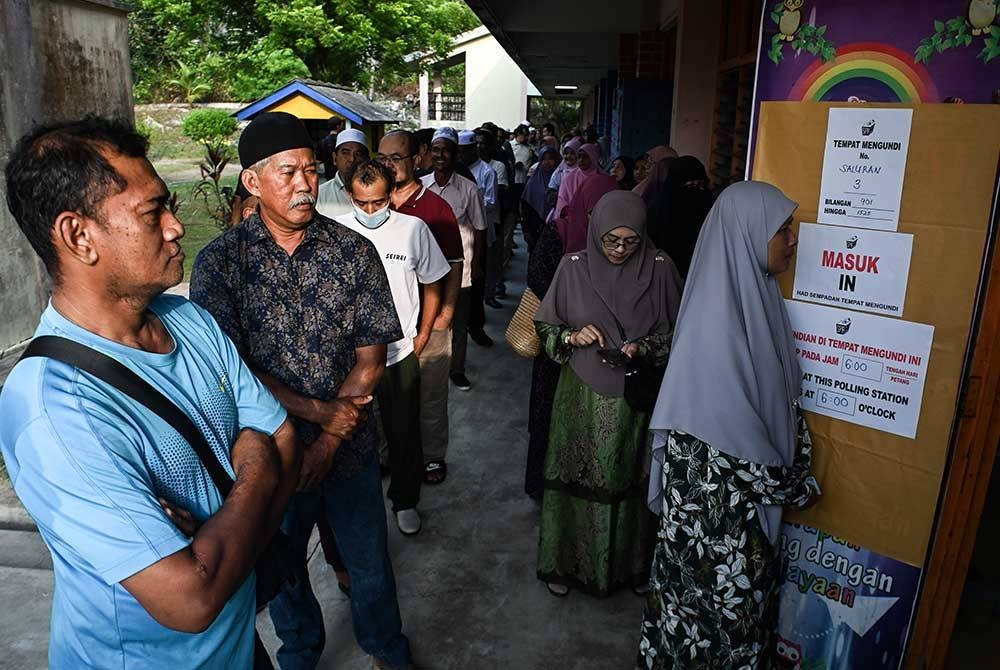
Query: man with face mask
[
  {"x": 308, "y": 305},
  {"x": 352, "y": 148},
  {"x": 414, "y": 264},
  {"x": 397, "y": 151}
]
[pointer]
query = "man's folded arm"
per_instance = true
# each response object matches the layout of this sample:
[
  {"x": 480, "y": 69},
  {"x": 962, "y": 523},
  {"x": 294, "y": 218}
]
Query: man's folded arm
[{"x": 188, "y": 589}]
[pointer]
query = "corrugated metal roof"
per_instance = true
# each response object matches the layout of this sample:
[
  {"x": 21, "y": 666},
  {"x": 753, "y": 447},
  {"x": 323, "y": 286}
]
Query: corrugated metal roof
[
  {"x": 340, "y": 99},
  {"x": 356, "y": 102}
]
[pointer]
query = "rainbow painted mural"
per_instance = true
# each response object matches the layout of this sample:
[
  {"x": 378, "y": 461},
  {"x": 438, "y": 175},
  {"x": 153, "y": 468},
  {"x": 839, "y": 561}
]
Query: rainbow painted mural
[{"x": 883, "y": 63}]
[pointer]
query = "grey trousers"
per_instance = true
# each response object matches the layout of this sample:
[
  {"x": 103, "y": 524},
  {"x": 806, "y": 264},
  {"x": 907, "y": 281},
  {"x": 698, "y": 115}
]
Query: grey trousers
[
  {"x": 460, "y": 331},
  {"x": 435, "y": 364}
]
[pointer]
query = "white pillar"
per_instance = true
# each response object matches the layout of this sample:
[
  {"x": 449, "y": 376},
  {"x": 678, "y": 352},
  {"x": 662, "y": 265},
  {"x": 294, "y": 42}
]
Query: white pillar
[
  {"x": 438, "y": 101},
  {"x": 424, "y": 98}
]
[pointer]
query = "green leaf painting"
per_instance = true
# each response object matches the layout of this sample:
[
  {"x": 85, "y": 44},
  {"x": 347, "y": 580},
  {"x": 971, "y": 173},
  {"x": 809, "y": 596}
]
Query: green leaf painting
[
  {"x": 961, "y": 32},
  {"x": 805, "y": 37}
]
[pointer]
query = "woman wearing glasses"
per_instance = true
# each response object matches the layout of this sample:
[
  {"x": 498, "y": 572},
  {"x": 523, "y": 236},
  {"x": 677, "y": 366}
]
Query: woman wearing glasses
[{"x": 612, "y": 303}]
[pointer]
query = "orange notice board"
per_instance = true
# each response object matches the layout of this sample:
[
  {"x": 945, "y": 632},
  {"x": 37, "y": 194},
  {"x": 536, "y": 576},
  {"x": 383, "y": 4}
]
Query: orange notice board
[{"x": 881, "y": 489}]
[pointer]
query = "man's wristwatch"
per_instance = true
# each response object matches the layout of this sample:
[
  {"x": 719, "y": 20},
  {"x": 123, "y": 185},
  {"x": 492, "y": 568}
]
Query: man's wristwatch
[{"x": 566, "y": 335}]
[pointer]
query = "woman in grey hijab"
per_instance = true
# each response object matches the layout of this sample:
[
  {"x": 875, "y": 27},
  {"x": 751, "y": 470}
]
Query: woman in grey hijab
[
  {"x": 729, "y": 444},
  {"x": 596, "y": 532}
]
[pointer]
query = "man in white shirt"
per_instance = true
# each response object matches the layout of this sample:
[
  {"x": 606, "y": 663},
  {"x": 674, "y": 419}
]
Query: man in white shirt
[
  {"x": 524, "y": 156},
  {"x": 486, "y": 145},
  {"x": 486, "y": 179},
  {"x": 413, "y": 262},
  {"x": 334, "y": 200},
  {"x": 464, "y": 198}
]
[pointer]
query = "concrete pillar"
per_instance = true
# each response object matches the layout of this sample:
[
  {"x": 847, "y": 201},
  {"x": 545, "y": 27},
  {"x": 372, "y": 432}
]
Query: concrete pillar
[
  {"x": 59, "y": 59},
  {"x": 424, "y": 98},
  {"x": 697, "y": 60},
  {"x": 438, "y": 100}
]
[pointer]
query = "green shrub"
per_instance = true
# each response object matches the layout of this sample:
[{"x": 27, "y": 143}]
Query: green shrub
[
  {"x": 211, "y": 127},
  {"x": 143, "y": 129}
]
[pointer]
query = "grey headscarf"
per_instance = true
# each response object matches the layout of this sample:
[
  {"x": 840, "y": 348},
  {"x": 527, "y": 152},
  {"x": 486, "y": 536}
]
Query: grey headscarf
[
  {"x": 644, "y": 292},
  {"x": 733, "y": 376}
]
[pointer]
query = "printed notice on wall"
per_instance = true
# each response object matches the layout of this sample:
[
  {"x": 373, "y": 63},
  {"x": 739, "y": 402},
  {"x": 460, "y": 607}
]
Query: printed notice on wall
[
  {"x": 842, "y": 605},
  {"x": 861, "y": 368},
  {"x": 857, "y": 269},
  {"x": 863, "y": 167}
]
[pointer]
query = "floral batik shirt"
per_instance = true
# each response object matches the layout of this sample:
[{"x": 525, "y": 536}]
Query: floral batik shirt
[{"x": 300, "y": 317}]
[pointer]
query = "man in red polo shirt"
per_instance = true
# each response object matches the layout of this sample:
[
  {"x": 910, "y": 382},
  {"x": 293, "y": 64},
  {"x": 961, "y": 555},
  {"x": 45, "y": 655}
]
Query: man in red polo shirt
[{"x": 398, "y": 150}]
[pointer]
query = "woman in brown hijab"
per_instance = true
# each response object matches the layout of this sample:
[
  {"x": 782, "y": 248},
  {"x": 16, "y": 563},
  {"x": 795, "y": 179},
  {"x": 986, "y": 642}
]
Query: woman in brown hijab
[
  {"x": 616, "y": 300},
  {"x": 658, "y": 160}
]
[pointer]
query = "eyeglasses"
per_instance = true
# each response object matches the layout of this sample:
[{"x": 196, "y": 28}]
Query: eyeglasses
[
  {"x": 395, "y": 159},
  {"x": 611, "y": 242}
]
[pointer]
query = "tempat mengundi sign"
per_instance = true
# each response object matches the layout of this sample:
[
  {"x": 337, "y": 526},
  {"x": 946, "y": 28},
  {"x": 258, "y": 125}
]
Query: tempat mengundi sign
[
  {"x": 864, "y": 369},
  {"x": 863, "y": 167}
]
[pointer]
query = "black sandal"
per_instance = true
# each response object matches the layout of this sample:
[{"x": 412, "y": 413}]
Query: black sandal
[{"x": 435, "y": 472}]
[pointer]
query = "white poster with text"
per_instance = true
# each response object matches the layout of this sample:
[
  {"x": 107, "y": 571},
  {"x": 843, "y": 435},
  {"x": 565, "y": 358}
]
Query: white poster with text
[
  {"x": 861, "y": 368},
  {"x": 858, "y": 269},
  {"x": 863, "y": 167}
]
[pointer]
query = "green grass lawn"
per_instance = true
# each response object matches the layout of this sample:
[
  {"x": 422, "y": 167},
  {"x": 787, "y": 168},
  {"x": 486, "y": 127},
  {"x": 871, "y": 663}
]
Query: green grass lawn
[
  {"x": 166, "y": 137},
  {"x": 199, "y": 227}
]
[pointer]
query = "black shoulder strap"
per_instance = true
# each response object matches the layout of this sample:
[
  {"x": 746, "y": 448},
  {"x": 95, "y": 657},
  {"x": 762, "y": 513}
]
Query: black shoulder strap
[{"x": 111, "y": 371}]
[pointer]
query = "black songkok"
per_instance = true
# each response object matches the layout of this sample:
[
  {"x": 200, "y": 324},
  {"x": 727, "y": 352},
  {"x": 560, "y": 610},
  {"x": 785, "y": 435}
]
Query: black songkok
[{"x": 271, "y": 133}]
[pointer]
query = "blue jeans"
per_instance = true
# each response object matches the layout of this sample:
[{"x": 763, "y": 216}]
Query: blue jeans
[{"x": 356, "y": 512}]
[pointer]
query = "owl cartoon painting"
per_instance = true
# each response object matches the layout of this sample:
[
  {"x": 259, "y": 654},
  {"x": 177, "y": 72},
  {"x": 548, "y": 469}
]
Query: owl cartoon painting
[
  {"x": 788, "y": 656},
  {"x": 791, "y": 19},
  {"x": 982, "y": 13}
]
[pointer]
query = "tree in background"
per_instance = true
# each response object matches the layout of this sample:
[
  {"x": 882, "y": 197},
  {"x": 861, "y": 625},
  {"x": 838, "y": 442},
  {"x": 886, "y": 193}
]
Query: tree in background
[
  {"x": 243, "y": 49},
  {"x": 212, "y": 128},
  {"x": 563, "y": 113}
]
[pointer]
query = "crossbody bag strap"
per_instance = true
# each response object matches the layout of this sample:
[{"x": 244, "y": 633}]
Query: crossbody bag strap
[{"x": 128, "y": 382}]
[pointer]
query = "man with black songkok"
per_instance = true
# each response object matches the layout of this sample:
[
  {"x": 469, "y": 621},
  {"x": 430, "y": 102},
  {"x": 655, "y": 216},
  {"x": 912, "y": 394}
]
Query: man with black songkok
[{"x": 309, "y": 307}]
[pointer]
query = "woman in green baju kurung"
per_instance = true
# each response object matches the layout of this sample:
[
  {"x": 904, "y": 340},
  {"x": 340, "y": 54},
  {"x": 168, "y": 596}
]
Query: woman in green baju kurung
[
  {"x": 613, "y": 302},
  {"x": 730, "y": 446}
]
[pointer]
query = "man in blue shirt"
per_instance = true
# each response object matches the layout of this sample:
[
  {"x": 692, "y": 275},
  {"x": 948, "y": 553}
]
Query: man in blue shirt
[{"x": 103, "y": 476}]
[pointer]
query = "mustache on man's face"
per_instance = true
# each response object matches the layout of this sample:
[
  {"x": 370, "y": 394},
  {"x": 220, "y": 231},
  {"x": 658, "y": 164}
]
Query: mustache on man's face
[{"x": 304, "y": 199}]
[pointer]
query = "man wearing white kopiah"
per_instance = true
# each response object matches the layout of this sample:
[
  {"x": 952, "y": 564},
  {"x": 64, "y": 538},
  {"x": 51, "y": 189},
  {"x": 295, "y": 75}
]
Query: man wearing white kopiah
[
  {"x": 414, "y": 264},
  {"x": 463, "y": 196},
  {"x": 333, "y": 199}
]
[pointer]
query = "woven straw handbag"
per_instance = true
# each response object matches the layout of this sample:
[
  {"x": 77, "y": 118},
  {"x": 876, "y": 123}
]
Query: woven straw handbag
[{"x": 521, "y": 334}]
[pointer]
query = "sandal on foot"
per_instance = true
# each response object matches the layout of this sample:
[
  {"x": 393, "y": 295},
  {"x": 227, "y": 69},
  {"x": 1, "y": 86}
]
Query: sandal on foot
[
  {"x": 343, "y": 582},
  {"x": 435, "y": 472},
  {"x": 558, "y": 590}
]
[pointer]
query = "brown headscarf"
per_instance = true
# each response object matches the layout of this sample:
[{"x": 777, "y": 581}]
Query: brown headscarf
[
  {"x": 644, "y": 293},
  {"x": 659, "y": 158}
]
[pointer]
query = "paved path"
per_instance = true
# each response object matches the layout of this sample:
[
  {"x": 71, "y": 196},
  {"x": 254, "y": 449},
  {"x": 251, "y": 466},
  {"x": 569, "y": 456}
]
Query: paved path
[{"x": 467, "y": 585}]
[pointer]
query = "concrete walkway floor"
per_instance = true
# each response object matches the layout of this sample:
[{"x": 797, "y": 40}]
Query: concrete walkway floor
[{"x": 467, "y": 587}]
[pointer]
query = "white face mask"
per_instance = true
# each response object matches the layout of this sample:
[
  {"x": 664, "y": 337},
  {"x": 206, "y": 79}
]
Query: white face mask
[{"x": 373, "y": 220}]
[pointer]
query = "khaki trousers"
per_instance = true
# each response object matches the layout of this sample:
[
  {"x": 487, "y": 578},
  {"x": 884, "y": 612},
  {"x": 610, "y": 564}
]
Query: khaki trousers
[{"x": 435, "y": 365}]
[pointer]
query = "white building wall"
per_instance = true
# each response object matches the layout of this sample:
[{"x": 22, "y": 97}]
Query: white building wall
[{"x": 495, "y": 88}]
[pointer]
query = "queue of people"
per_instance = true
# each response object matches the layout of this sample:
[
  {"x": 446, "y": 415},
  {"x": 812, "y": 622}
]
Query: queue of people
[{"x": 329, "y": 324}]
